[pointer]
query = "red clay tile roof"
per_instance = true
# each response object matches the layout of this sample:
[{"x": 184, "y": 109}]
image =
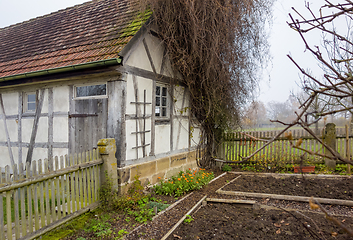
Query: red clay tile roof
[{"x": 93, "y": 31}]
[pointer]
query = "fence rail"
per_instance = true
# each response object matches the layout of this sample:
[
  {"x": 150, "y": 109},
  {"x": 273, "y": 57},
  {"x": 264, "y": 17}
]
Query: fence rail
[
  {"x": 236, "y": 145},
  {"x": 44, "y": 194}
]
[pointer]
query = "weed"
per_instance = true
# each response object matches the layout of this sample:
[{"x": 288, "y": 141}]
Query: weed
[
  {"x": 226, "y": 168},
  {"x": 121, "y": 233},
  {"x": 188, "y": 219},
  {"x": 100, "y": 226}
]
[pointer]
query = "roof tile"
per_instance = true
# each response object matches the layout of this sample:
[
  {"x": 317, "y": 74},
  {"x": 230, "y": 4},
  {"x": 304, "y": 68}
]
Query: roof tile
[{"x": 93, "y": 31}]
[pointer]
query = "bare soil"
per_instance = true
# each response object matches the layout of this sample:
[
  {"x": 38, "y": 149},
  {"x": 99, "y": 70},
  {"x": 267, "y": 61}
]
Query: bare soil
[
  {"x": 337, "y": 188},
  {"x": 228, "y": 221}
]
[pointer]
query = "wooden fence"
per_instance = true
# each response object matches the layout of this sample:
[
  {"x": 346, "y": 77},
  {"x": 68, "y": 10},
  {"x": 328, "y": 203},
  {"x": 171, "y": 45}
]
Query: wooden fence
[
  {"x": 46, "y": 194},
  {"x": 237, "y": 144}
]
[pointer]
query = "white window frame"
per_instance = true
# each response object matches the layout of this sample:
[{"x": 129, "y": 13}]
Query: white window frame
[
  {"x": 90, "y": 97},
  {"x": 167, "y": 98},
  {"x": 25, "y": 102}
]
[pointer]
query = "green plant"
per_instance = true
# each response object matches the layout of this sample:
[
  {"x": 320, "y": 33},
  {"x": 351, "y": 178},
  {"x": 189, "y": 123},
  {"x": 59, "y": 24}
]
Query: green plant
[
  {"x": 226, "y": 168},
  {"x": 80, "y": 238},
  {"x": 188, "y": 219},
  {"x": 160, "y": 206},
  {"x": 121, "y": 233},
  {"x": 100, "y": 226},
  {"x": 183, "y": 182},
  {"x": 141, "y": 212}
]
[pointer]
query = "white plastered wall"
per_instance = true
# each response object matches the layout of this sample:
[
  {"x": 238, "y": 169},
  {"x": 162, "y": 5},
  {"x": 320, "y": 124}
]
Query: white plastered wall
[{"x": 180, "y": 122}]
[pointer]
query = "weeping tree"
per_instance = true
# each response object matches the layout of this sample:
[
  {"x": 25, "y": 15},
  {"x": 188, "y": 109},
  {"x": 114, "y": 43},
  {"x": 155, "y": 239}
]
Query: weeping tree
[{"x": 219, "y": 48}]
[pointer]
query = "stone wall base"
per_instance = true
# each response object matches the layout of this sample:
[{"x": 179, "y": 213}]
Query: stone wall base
[{"x": 149, "y": 172}]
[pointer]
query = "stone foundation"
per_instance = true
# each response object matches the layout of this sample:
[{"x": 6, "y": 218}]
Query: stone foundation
[{"x": 150, "y": 171}]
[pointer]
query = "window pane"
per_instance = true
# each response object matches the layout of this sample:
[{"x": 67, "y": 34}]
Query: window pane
[
  {"x": 164, "y": 101},
  {"x": 94, "y": 90},
  {"x": 31, "y": 98},
  {"x": 158, "y": 90},
  {"x": 31, "y": 106},
  {"x": 164, "y": 112},
  {"x": 158, "y": 101},
  {"x": 157, "y": 111},
  {"x": 164, "y": 92}
]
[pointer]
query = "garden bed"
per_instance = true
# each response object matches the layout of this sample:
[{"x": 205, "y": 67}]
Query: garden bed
[
  {"x": 240, "y": 222},
  {"x": 322, "y": 187},
  {"x": 231, "y": 221}
]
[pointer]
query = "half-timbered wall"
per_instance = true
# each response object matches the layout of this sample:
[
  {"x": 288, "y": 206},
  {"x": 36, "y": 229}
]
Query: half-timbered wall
[
  {"x": 60, "y": 125},
  {"x": 147, "y": 135},
  {"x": 33, "y": 135}
]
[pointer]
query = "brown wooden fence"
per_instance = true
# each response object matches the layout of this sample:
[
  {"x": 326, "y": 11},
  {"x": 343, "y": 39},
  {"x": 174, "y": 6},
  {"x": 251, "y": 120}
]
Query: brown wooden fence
[
  {"x": 237, "y": 144},
  {"x": 46, "y": 194}
]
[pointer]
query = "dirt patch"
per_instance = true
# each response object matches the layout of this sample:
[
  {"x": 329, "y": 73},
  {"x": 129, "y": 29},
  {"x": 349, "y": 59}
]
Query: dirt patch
[
  {"x": 338, "y": 188},
  {"x": 229, "y": 221}
]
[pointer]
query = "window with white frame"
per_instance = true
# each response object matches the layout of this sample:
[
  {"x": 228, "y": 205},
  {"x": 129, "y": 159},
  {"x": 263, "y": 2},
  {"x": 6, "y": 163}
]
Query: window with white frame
[
  {"x": 29, "y": 101},
  {"x": 161, "y": 101},
  {"x": 91, "y": 91}
]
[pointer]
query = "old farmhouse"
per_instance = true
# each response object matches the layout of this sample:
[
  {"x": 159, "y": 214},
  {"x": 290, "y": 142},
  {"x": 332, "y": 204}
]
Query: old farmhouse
[{"x": 92, "y": 71}]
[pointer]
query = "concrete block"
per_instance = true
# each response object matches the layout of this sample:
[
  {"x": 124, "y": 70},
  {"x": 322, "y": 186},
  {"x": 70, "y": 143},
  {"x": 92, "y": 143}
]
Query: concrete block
[
  {"x": 143, "y": 170},
  {"x": 173, "y": 171},
  {"x": 123, "y": 175},
  {"x": 155, "y": 177},
  {"x": 191, "y": 156},
  {"x": 178, "y": 160},
  {"x": 163, "y": 164}
]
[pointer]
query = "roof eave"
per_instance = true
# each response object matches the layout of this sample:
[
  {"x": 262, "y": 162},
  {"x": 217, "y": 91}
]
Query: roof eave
[{"x": 82, "y": 66}]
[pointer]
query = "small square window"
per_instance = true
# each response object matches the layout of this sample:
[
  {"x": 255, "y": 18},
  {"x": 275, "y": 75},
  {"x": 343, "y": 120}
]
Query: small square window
[
  {"x": 161, "y": 102},
  {"x": 29, "y": 102}
]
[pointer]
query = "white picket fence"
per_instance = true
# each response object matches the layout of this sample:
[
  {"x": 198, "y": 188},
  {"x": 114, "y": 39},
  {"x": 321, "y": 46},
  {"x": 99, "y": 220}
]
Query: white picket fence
[
  {"x": 236, "y": 145},
  {"x": 46, "y": 194}
]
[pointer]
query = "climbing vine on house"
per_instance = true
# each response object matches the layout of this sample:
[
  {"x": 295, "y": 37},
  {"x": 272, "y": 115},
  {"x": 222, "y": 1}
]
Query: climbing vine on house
[{"x": 219, "y": 48}]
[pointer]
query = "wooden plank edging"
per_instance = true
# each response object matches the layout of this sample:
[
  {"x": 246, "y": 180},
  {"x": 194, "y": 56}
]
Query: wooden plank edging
[
  {"x": 287, "y": 197},
  {"x": 171, "y": 206},
  {"x": 182, "y": 219},
  {"x": 220, "y": 200},
  {"x": 294, "y": 175}
]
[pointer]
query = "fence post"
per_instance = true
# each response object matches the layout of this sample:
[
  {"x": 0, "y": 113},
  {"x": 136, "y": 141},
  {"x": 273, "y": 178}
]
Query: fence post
[
  {"x": 107, "y": 150},
  {"x": 330, "y": 140}
]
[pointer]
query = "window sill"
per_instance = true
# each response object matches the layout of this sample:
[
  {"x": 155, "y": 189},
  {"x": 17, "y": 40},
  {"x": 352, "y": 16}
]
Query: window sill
[{"x": 162, "y": 121}]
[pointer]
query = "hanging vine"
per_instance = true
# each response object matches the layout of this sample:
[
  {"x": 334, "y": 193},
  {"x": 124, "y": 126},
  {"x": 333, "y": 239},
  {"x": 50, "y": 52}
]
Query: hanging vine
[{"x": 219, "y": 48}]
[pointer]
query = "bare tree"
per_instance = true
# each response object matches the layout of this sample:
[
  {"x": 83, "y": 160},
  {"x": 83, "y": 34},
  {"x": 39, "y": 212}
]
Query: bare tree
[
  {"x": 254, "y": 114},
  {"x": 334, "y": 22}
]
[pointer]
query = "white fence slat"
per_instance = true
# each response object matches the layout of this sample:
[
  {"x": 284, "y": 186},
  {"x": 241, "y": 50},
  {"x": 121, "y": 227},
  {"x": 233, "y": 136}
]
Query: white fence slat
[
  {"x": 52, "y": 190},
  {"x": 35, "y": 199},
  {"x": 16, "y": 204},
  {"x": 57, "y": 190},
  {"x": 8, "y": 204},
  {"x": 67, "y": 185},
  {"x": 41, "y": 195}
]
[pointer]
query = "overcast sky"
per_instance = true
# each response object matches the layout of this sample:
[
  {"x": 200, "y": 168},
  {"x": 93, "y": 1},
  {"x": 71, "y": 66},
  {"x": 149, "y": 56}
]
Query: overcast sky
[{"x": 279, "y": 79}]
